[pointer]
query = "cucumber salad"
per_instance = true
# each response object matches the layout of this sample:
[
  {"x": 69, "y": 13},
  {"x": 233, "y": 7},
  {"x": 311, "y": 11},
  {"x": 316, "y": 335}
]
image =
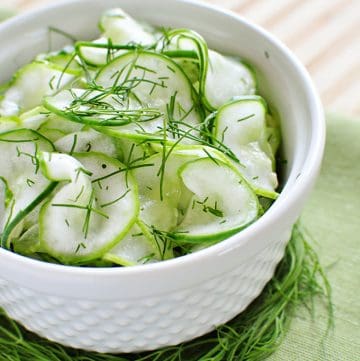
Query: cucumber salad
[{"x": 140, "y": 146}]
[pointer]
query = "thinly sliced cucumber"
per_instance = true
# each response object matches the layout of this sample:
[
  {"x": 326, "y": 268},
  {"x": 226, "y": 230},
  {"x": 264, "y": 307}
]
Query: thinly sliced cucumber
[
  {"x": 273, "y": 135},
  {"x": 95, "y": 207},
  {"x": 154, "y": 81},
  {"x": 26, "y": 187},
  {"x": 226, "y": 79},
  {"x": 9, "y": 123},
  {"x": 88, "y": 140},
  {"x": 48, "y": 124},
  {"x": 191, "y": 42},
  {"x": 56, "y": 127},
  {"x": 192, "y": 151},
  {"x": 30, "y": 84},
  {"x": 137, "y": 247},
  {"x": 145, "y": 95},
  {"x": 34, "y": 118},
  {"x": 184, "y": 45},
  {"x": 221, "y": 78},
  {"x": 121, "y": 28},
  {"x": 97, "y": 108},
  {"x": 28, "y": 243},
  {"x": 63, "y": 59},
  {"x": 163, "y": 197},
  {"x": 133, "y": 151},
  {"x": 241, "y": 125},
  {"x": 222, "y": 203},
  {"x": 117, "y": 28},
  {"x": 158, "y": 202}
]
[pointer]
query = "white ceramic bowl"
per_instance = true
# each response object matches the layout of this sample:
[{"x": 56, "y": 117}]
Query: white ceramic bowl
[{"x": 143, "y": 308}]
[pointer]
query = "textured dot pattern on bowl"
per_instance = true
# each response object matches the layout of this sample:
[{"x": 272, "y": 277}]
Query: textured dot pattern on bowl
[{"x": 142, "y": 323}]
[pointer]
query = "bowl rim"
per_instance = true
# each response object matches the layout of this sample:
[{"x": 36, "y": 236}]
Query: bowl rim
[{"x": 286, "y": 199}]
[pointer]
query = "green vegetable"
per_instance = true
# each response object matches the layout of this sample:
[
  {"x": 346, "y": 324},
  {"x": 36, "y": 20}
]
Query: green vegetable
[{"x": 148, "y": 132}]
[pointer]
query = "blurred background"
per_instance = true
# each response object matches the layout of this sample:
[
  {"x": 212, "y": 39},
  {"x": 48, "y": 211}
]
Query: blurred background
[{"x": 324, "y": 34}]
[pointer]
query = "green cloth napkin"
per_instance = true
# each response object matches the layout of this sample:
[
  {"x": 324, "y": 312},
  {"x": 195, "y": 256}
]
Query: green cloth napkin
[
  {"x": 6, "y": 13},
  {"x": 332, "y": 217}
]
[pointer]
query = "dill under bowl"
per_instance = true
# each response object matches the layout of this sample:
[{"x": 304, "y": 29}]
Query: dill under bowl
[{"x": 147, "y": 307}]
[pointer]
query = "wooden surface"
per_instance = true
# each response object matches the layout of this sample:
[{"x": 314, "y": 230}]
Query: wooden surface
[{"x": 324, "y": 34}]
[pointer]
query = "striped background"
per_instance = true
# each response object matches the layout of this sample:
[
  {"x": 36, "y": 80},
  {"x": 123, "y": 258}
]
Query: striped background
[{"x": 324, "y": 34}]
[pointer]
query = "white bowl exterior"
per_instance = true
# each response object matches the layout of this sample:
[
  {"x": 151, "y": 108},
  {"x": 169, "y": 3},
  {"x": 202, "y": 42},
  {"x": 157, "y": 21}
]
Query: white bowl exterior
[
  {"x": 144, "y": 323},
  {"x": 142, "y": 308}
]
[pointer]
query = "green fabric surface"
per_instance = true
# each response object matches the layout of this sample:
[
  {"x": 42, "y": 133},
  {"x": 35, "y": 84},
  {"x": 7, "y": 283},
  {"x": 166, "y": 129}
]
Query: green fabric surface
[
  {"x": 6, "y": 13},
  {"x": 332, "y": 217}
]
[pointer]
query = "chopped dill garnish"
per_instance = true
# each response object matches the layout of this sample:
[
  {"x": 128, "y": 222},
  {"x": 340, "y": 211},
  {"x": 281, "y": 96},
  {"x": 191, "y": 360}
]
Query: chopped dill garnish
[
  {"x": 137, "y": 234},
  {"x": 146, "y": 258},
  {"x": 73, "y": 144},
  {"x": 29, "y": 182},
  {"x": 82, "y": 170},
  {"x": 51, "y": 82},
  {"x": 116, "y": 200},
  {"x": 246, "y": 117},
  {"x": 88, "y": 147}
]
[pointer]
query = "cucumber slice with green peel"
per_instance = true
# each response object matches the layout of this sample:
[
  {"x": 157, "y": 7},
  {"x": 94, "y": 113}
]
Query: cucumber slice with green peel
[
  {"x": 48, "y": 124},
  {"x": 143, "y": 95},
  {"x": 64, "y": 59},
  {"x": 121, "y": 28},
  {"x": 154, "y": 81},
  {"x": 192, "y": 151},
  {"x": 163, "y": 197},
  {"x": 158, "y": 203},
  {"x": 222, "y": 203},
  {"x": 34, "y": 118},
  {"x": 221, "y": 78},
  {"x": 9, "y": 123},
  {"x": 226, "y": 79},
  {"x": 89, "y": 140},
  {"x": 25, "y": 186},
  {"x": 58, "y": 127},
  {"x": 97, "y": 108},
  {"x": 241, "y": 125},
  {"x": 28, "y": 243},
  {"x": 184, "y": 46},
  {"x": 97, "y": 52},
  {"x": 133, "y": 151},
  {"x": 30, "y": 84},
  {"x": 138, "y": 247},
  {"x": 273, "y": 134},
  {"x": 93, "y": 210},
  {"x": 117, "y": 27}
]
